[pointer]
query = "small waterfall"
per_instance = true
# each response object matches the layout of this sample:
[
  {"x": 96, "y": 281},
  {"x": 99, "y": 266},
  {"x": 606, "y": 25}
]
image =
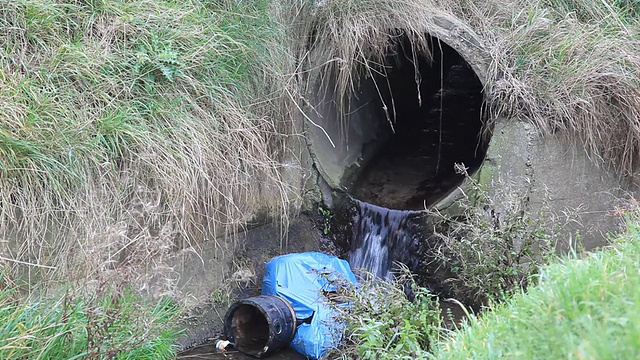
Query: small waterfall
[{"x": 382, "y": 237}]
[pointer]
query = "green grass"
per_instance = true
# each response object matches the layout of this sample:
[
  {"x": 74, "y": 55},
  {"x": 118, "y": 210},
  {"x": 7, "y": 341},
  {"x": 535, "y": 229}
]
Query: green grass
[
  {"x": 586, "y": 308},
  {"x": 133, "y": 125},
  {"x": 110, "y": 326}
]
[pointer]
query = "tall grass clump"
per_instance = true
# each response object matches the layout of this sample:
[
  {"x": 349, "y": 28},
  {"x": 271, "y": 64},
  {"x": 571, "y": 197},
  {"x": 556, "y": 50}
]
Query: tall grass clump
[
  {"x": 568, "y": 66},
  {"x": 583, "y": 308},
  {"x": 107, "y": 325},
  {"x": 131, "y": 128}
]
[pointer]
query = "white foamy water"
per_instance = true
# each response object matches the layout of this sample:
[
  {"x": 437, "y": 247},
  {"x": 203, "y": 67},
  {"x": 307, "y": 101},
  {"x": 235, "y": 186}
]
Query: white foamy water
[{"x": 381, "y": 237}]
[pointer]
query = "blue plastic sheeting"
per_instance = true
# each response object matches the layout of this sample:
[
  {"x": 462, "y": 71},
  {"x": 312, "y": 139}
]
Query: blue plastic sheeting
[{"x": 301, "y": 279}]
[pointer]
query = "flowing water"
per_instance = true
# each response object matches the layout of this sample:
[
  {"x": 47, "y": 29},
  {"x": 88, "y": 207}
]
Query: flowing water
[{"x": 382, "y": 238}]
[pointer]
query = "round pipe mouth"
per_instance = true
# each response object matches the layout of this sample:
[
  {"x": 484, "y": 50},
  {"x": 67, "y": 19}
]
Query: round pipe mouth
[{"x": 410, "y": 122}]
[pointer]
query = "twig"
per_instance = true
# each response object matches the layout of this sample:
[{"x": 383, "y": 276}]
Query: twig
[
  {"x": 309, "y": 119},
  {"x": 28, "y": 263}
]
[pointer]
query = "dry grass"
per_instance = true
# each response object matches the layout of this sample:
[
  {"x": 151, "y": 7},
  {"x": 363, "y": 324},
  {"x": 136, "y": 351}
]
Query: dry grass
[
  {"x": 130, "y": 129},
  {"x": 567, "y": 66},
  {"x": 571, "y": 66},
  {"x": 348, "y": 40}
]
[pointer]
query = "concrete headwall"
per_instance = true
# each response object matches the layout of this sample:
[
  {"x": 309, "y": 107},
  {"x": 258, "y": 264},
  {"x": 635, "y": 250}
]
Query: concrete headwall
[{"x": 555, "y": 175}]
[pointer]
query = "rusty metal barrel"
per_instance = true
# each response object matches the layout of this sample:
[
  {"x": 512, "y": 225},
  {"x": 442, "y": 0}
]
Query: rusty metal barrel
[{"x": 260, "y": 325}]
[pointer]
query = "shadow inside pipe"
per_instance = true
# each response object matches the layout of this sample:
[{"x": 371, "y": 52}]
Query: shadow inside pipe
[
  {"x": 428, "y": 117},
  {"x": 411, "y": 116}
]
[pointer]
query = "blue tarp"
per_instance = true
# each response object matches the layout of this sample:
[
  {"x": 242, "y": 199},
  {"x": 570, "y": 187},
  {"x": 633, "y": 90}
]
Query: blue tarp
[{"x": 301, "y": 279}]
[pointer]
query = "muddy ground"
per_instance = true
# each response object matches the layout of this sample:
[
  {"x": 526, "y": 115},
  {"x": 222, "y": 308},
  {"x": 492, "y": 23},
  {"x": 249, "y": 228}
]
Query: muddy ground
[{"x": 204, "y": 321}]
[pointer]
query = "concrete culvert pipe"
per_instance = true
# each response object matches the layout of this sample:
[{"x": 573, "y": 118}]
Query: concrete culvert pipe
[{"x": 409, "y": 120}]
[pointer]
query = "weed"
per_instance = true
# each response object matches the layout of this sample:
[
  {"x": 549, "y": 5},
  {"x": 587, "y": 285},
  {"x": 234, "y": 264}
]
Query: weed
[
  {"x": 581, "y": 307},
  {"x": 383, "y": 323},
  {"x": 156, "y": 59},
  {"x": 221, "y": 296},
  {"x": 327, "y": 219},
  {"x": 495, "y": 245}
]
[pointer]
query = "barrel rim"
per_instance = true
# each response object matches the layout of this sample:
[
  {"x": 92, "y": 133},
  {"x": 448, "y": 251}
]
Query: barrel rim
[{"x": 252, "y": 302}]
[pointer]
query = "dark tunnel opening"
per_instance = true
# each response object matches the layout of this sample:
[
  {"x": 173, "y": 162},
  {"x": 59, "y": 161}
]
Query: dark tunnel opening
[
  {"x": 433, "y": 121},
  {"x": 410, "y": 118}
]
